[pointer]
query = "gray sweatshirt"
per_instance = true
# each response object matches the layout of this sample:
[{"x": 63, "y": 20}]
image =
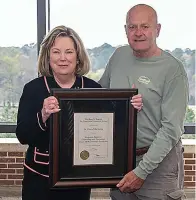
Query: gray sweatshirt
[{"x": 163, "y": 84}]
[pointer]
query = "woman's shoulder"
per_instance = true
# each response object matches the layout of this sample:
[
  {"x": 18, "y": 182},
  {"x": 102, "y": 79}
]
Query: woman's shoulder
[
  {"x": 35, "y": 84},
  {"x": 35, "y": 81},
  {"x": 89, "y": 83}
]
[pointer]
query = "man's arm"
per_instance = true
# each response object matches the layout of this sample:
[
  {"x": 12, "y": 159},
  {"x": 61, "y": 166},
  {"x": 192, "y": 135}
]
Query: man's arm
[{"x": 173, "y": 108}]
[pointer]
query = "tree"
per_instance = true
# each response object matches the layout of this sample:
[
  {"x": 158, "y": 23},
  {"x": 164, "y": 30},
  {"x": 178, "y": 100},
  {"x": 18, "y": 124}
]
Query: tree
[
  {"x": 190, "y": 115},
  {"x": 9, "y": 113},
  {"x": 8, "y": 72},
  {"x": 95, "y": 75}
]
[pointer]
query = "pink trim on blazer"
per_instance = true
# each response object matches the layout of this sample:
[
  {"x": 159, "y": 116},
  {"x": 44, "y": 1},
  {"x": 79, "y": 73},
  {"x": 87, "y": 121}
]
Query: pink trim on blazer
[
  {"x": 82, "y": 81},
  {"x": 35, "y": 171},
  {"x": 40, "y": 124},
  {"x": 46, "y": 83},
  {"x": 42, "y": 154}
]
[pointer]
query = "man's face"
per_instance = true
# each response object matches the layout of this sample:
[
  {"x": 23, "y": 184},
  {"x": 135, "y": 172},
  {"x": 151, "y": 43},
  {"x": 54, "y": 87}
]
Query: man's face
[{"x": 142, "y": 30}]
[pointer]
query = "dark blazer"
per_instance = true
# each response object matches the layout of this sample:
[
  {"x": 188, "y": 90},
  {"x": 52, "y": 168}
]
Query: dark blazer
[{"x": 30, "y": 128}]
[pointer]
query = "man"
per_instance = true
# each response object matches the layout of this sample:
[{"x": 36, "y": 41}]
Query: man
[{"x": 163, "y": 83}]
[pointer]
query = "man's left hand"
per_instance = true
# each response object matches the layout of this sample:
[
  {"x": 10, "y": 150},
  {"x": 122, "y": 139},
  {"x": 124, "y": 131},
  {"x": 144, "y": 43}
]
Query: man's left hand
[{"x": 130, "y": 183}]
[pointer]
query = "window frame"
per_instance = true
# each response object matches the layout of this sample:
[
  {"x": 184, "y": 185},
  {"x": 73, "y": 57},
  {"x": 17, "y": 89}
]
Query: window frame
[{"x": 43, "y": 24}]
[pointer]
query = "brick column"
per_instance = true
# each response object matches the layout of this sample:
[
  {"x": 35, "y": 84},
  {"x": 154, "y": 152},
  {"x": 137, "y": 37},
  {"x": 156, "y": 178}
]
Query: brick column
[
  {"x": 189, "y": 166},
  {"x": 11, "y": 164}
]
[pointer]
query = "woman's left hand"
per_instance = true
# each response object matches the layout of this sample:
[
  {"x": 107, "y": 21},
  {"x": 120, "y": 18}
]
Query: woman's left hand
[{"x": 136, "y": 101}]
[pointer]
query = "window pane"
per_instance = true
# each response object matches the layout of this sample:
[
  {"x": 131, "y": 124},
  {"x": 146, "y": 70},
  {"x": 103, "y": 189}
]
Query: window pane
[
  {"x": 18, "y": 53},
  {"x": 101, "y": 27}
]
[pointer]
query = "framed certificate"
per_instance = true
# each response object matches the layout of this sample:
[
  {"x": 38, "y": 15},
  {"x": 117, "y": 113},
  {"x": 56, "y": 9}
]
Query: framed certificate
[{"x": 92, "y": 138}]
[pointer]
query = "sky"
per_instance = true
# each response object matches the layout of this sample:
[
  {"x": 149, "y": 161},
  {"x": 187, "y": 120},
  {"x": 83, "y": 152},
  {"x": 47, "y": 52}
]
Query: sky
[{"x": 98, "y": 21}]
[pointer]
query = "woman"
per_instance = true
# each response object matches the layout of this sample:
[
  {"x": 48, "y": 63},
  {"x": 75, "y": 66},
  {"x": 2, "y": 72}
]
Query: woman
[{"x": 62, "y": 63}]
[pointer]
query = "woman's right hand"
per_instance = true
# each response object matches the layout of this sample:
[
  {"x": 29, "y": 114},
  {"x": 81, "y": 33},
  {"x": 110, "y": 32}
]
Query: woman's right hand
[{"x": 50, "y": 105}]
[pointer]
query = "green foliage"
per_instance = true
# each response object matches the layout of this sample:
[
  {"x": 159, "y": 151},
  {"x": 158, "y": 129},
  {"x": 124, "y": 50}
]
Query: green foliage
[
  {"x": 188, "y": 136},
  {"x": 9, "y": 52},
  {"x": 190, "y": 116},
  {"x": 7, "y": 135},
  {"x": 18, "y": 66},
  {"x": 95, "y": 75},
  {"x": 8, "y": 114}
]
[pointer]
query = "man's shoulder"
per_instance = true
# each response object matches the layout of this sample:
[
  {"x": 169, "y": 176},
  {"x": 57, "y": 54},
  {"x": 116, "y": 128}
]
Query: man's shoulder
[
  {"x": 171, "y": 58},
  {"x": 89, "y": 83},
  {"x": 175, "y": 63},
  {"x": 123, "y": 49},
  {"x": 122, "y": 53}
]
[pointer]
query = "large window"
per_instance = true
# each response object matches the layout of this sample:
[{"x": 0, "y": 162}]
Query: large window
[
  {"x": 101, "y": 27},
  {"x": 18, "y": 53}
]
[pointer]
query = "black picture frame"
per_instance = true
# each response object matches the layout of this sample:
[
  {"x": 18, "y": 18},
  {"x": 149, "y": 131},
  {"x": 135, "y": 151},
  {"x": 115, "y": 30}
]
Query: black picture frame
[{"x": 62, "y": 172}]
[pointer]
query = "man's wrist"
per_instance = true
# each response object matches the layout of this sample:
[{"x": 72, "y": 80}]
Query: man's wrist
[{"x": 139, "y": 172}]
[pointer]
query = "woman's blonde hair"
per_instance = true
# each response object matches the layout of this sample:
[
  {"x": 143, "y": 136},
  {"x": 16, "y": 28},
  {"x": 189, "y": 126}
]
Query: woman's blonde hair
[{"x": 83, "y": 62}]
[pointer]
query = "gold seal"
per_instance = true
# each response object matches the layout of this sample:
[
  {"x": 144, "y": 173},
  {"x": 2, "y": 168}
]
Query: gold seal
[{"x": 84, "y": 155}]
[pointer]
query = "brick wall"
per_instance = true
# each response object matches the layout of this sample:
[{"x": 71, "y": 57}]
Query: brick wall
[
  {"x": 189, "y": 170},
  {"x": 12, "y": 157},
  {"x": 11, "y": 168}
]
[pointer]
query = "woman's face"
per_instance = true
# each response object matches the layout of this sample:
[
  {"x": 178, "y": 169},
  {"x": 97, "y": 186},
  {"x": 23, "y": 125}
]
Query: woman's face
[{"x": 63, "y": 56}]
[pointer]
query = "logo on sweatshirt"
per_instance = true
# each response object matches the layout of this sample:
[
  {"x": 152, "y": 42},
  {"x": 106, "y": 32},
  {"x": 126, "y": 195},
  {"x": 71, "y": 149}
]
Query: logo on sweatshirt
[{"x": 144, "y": 79}]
